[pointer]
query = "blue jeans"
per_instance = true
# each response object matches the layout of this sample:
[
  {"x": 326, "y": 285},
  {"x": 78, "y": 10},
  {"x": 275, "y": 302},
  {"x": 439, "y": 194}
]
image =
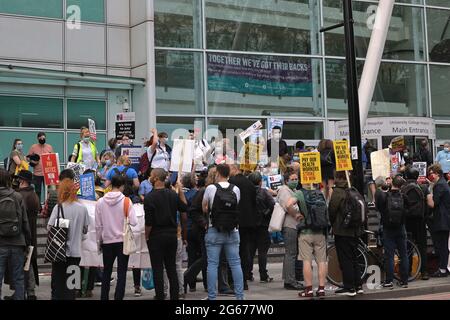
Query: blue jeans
[
  {"x": 215, "y": 241},
  {"x": 15, "y": 255},
  {"x": 395, "y": 239}
]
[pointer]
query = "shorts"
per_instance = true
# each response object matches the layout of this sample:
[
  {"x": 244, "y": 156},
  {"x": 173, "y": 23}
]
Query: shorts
[{"x": 312, "y": 247}]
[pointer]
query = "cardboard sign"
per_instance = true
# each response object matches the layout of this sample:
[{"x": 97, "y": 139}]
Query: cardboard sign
[
  {"x": 274, "y": 123},
  {"x": 398, "y": 144},
  {"x": 251, "y": 130},
  {"x": 87, "y": 186},
  {"x": 50, "y": 166},
  {"x": 342, "y": 154},
  {"x": 134, "y": 154},
  {"x": 78, "y": 169},
  {"x": 275, "y": 181},
  {"x": 381, "y": 163},
  {"x": 125, "y": 125},
  {"x": 310, "y": 171},
  {"x": 421, "y": 167},
  {"x": 92, "y": 129},
  {"x": 182, "y": 155}
]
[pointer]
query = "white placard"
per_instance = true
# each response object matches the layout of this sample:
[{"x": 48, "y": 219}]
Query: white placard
[
  {"x": 182, "y": 155},
  {"x": 274, "y": 123},
  {"x": 126, "y": 117},
  {"x": 381, "y": 163},
  {"x": 253, "y": 129},
  {"x": 421, "y": 167}
]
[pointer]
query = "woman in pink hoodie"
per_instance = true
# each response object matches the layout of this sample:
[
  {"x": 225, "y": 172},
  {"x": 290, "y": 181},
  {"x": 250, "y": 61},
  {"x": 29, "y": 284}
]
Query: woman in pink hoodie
[{"x": 110, "y": 213}]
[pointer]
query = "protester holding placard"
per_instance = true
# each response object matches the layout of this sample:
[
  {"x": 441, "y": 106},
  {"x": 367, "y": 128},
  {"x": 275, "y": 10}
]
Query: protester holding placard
[
  {"x": 327, "y": 164},
  {"x": 278, "y": 143},
  {"x": 159, "y": 152},
  {"x": 40, "y": 148},
  {"x": 397, "y": 161},
  {"x": 85, "y": 151},
  {"x": 124, "y": 142},
  {"x": 424, "y": 154}
]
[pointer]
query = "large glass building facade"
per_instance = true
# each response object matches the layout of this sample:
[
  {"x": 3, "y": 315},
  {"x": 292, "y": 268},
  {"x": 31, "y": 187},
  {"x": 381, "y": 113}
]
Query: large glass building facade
[{"x": 229, "y": 63}]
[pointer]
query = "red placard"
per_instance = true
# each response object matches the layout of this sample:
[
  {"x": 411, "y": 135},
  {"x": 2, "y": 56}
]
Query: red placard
[{"x": 50, "y": 166}]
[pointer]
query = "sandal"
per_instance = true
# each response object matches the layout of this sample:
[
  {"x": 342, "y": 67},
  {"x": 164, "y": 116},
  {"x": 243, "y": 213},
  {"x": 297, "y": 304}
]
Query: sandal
[
  {"x": 307, "y": 293},
  {"x": 320, "y": 293}
]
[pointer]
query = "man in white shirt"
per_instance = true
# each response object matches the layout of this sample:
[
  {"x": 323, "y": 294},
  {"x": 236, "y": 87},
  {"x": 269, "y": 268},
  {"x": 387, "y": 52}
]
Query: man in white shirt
[{"x": 220, "y": 203}]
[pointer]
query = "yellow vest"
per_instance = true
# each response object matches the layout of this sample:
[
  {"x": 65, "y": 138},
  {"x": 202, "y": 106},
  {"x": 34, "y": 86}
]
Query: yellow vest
[{"x": 80, "y": 152}]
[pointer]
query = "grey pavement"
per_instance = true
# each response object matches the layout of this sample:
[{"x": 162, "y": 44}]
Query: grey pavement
[{"x": 271, "y": 291}]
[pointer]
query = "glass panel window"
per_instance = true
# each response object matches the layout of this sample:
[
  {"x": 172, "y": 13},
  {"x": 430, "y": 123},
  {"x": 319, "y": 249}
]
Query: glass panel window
[
  {"x": 289, "y": 26},
  {"x": 41, "y": 8},
  {"x": 56, "y": 140},
  {"x": 438, "y": 3},
  {"x": 263, "y": 85},
  {"x": 73, "y": 138},
  {"x": 178, "y": 23},
  {"x": 443, "y": 132},
  {"x": 405, "y": 40},
  {"x": 91, "y": 10},
  {"x": 177, "y": 127},
  {"x": 400, "y": 90},
  {"x": 79, "y": 111},
  {"x": 31, "y": 112},
  {"x": 438, "y": 35},
  {"x": 179, "y": 82},
  {"x": 296, "y": 130},
  {"x": 440, "y": 91}
]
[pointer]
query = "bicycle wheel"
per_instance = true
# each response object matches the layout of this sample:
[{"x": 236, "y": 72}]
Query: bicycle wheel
[
  {"x": 334, "y": 271},
  {"x": 414, "y": 259}
]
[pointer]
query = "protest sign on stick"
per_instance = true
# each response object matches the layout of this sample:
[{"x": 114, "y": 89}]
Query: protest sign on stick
[{"x": 310, "y": 170}]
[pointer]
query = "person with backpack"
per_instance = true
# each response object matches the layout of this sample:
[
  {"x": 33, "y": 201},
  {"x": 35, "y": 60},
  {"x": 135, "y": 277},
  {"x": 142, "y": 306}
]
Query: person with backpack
[
  {"x": 264, "y": 208},
  {"x": 392, "y": 207},
  {"x": 85, "y": 151},
  {"x": 15, "y": 235},
  {"x": 70, "y": 209},
  {"x": 246, "y": 220},
  {"x": 161, "y": 208},
  {"x": 110, "y": 213},
  {"x": 327, "y": 164},
  {"x": 312, "y": 242},
  {"x": 439, "y": 201},
  {"x": 416, "y": 214},
  {"x": 132, "y": 181},
  {"x": 159, "y": 152},
  {"x": 346, "y": 206},
  {"x": 287, "y": 199},
  {"x": 220, "y": 204}
]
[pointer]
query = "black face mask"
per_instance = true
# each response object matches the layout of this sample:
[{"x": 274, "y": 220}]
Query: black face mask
[{"x": 42, "y": 141}]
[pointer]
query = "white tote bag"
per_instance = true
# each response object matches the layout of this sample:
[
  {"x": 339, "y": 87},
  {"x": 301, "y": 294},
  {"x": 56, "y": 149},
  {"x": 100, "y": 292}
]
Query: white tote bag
[
  {"x": 277, "y": 220},
  {"x": 129, "y": 244}
]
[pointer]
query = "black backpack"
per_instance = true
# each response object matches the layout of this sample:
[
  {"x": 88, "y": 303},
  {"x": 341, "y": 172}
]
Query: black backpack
[
  {"x": 263, "y": 211},
  {"x": 128, "y": 191},
  {"x": 395, "y": 210},
  {"x": 355, "y": 208},
  {"x": 317, "y": 215},
  {"x": 224, "y": 213},
  {"x": 415, "y": 201},
  {"x": 10, "y": 225}
]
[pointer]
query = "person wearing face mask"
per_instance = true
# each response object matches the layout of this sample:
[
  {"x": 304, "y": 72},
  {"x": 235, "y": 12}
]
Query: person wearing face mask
[
  {"x": 107, "y": 164},
  {"x": 85, "y": 151},
  {"x": 40, "y": 148},
  {"x": 424, "y": 154},
  {"x": 282, "y": 145},
  {"x": 17, "y": 161},
  {"x": 443, "y": 158},
  {"x": 439, "y": 201},
  {"x": 159, "y": 152},
  {"x": 124, "y": 142}
]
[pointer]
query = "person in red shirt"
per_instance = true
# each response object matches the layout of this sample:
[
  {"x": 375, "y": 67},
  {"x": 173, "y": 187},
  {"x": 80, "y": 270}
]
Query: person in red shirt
[{"x": 40, "y": 148}]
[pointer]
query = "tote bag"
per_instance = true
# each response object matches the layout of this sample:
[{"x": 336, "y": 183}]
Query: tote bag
[
  {"x": 57, "y": 241},
  {"x": 129, "y": 244},
  {"x": 277, "y": 220}
]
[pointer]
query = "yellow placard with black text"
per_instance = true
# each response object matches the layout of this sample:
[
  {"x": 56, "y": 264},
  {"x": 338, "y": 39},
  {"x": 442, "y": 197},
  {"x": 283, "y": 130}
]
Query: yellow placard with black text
[
  {"x": 342, "y": 154},
  {"x": 310, "y": 171}
]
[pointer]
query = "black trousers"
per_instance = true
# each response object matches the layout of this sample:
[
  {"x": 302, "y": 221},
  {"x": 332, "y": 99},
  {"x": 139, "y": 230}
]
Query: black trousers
[
  {"x": 137, "y": 277},
  {"x": 262, "y": 244},
  {"x": 91, "y": 272},
  {"x": 416, "y": 228},
  {"x": 111, "y": 252},
  {"x": 196, "y": 240},
  {"x": 440, "y": 241},
  {"x": 38, "y": 181},
  {"x": 347, "y": 253},
  {"x": 248, "y": 242},
  {"x": 59, "y": 279},
  {"x": 163, "y": 250}
]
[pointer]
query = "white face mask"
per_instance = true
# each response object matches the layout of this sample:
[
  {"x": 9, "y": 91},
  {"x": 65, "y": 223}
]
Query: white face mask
[
  {"x": 277, "y": 136},
  {"x": 446, "y": 149}
]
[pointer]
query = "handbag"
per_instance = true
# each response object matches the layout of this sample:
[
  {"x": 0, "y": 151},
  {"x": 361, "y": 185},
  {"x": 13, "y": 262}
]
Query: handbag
[
  {"x": 277, "y": 220},
  {"x": 147, "y": 279},
  {"x": 129, "y": 244},
  {"x": 57, "y": 241}
]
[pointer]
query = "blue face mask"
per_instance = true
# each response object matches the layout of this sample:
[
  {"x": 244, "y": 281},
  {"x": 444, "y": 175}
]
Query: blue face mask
[{"x": 108, "y": 163}]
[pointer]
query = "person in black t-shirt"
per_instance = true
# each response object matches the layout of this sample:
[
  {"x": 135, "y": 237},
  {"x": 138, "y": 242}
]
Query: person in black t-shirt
[{"x": 161, "y": 207}]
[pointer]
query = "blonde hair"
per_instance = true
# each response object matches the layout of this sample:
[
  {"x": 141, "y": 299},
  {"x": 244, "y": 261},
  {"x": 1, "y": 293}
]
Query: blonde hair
[
  {"x": 82, "y": 131},
  {"x": 124, "y": 160},
  {"x": 211, "y": 179}
]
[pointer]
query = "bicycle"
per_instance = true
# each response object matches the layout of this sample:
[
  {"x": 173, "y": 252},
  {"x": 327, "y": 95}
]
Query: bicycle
[{"x": 373, "y": 255}]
